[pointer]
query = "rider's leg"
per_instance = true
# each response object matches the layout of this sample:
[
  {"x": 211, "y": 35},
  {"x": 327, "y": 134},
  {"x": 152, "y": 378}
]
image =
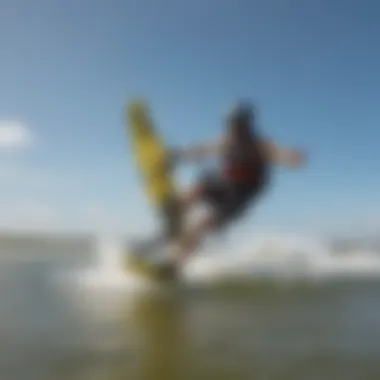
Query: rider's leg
[
  {"x": 227, "y": 205},
  {"x": 193, "y": 238}
]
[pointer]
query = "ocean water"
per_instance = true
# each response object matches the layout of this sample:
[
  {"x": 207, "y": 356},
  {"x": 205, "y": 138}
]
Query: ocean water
[{"x": 285, "y": 308}]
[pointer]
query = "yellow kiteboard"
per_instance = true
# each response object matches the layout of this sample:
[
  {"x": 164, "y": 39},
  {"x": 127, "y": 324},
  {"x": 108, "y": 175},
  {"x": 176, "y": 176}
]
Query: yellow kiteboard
[{"x": 153, "y": 162}]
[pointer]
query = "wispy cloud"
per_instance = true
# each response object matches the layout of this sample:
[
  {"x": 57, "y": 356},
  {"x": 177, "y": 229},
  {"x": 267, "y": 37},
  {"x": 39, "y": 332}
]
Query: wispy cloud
[
  {"x": 36, "y": 213},
  {"x": 30, "y": 214},
  {"x": 14, "y": 135}
]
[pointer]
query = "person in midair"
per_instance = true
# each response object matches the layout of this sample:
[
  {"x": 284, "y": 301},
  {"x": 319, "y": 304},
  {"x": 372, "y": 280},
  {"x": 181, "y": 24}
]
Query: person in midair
[{"x": 246, "y": 159}]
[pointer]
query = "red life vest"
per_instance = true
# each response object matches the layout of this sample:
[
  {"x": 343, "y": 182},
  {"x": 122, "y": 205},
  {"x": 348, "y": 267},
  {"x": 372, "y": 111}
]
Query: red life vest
[{"x": 244, "y": 163}]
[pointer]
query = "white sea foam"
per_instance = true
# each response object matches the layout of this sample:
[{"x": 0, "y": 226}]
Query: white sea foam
[{"x": 270, "y": 256}]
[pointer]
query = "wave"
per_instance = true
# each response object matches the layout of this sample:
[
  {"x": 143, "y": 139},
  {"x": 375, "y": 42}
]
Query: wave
[{"x": 275, "y": 257}]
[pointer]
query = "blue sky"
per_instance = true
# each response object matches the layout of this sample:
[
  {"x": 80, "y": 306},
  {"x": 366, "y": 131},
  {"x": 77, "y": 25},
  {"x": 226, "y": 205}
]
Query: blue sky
[{"x": 68, "y": 67}]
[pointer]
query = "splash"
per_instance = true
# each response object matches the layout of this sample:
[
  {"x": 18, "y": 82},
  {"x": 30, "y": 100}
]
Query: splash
[
  {"x": 283, "y": 256},
  {"x": 277, "y": 257},
  {"x": 108, "y": 271}
]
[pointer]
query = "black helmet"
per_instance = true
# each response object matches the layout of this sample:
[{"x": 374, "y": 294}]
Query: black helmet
[{"x": 242, "y": 114}]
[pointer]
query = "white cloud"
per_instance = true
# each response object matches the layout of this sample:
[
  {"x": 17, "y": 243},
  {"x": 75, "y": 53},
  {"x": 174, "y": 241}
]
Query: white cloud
[
  {"x": 14, "y": 134},
  {"x": 96, "y": 215},
  {"x": 30, "y": 214},
  {"x": 38, "y": 214}
]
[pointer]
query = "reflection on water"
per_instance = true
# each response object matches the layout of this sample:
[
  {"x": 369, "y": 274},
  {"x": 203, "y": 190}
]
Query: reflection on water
[
  {"x": 52, "y": 327},
  {"x": 163, "y": 338},
  {"x": 268, "y": 332}
]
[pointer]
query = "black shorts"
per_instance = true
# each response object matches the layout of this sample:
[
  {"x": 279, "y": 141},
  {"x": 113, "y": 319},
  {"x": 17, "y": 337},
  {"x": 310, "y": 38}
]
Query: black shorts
[{"x": 228, "y": 199}]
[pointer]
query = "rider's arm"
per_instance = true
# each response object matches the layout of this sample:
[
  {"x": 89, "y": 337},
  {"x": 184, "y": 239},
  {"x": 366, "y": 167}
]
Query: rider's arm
[
  {"x": 198, "y": 152},
  {"x": 278, "y": 155}
]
